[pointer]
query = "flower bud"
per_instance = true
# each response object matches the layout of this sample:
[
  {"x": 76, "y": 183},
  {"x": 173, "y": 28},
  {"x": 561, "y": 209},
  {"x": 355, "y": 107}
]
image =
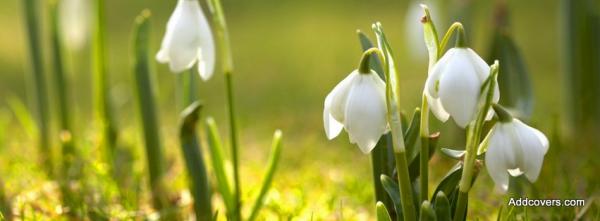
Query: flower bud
[{"x": 188, "y": 40}]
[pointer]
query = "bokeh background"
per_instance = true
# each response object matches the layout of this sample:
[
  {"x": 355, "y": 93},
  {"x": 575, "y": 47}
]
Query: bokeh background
[{"x": 288, "y": 55}]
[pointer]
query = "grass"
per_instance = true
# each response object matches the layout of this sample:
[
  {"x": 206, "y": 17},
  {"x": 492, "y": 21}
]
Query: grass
[{"x": 281, "y": 83}]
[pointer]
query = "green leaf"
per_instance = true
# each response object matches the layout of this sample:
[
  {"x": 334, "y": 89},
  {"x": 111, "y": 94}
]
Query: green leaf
[
  {"x": 218, "y": 162},
  {"x": 431, "y": 37},
  {"x": 450, "y": 181},
  {"x": 393, "y": 191},
  {"x": 194, "y": 163},
  {"x": 427, "y": 212},
  {"x": 149, "y": 114},
  {"x": 454, "y": 154},
  {"x": 415, "y": 165},
  {"x": 268, "y": 179},
  {"x": 514, "y": 81},
  {"x": 382, "y": 212},
  {"x": 442, "y": 207},
  {"x": 411, "y": 135},
  {"x": 24, "y": 117}
]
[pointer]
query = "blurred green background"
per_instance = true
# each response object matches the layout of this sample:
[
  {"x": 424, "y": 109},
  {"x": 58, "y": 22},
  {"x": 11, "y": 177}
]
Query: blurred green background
[{"x": 288, "y": 55}]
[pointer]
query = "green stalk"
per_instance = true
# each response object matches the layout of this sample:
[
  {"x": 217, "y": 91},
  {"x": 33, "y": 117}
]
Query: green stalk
[
  {"x": 194, "y": 162},
  {"x": 102, "y": 96},
  {"x": 474, "y": 131},
  {"x": 268, "y": 179},
  {"x": 61, "y": 87},
  {"x": 393, "y": 116},
  {"x": 435, "y": 52},
  {"x": 408, "y": 207},
  {"x": 145, "y": 92},
  {"x": 31, "y": 11},
  {"x": 224, "y": 47}
]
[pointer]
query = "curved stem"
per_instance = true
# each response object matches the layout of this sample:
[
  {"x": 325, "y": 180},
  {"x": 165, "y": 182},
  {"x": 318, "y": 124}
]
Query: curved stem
[
  {"x": 364, "y": 66},
  {"x": 408, "y": 207},
  {"x": 473, "y": 138},
  {"x": 454, "y": 27}
]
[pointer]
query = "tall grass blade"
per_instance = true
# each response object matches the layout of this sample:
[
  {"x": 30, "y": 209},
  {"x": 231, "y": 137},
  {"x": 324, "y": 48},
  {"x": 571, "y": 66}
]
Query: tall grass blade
[
  {"x": 218, "y": 163},
  {"x": 101, "y": 84},
  {"x": 32, "y": 12},
  {"x": 145, "y": 93},
  {"x": 195, "y": 163},
  {"x": 268, "y": 179}
]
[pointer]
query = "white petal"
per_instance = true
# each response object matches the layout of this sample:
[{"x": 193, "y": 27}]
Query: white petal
[
  {"x": 497, "y": 158},
  {"x": 436, "y": 72},
  {"x": 339, "y": 97},
  {"x": 459, "y": 90},
  {"x": 332, "y": 126},
  {"x": 365, "y": 119},
  {"x": 182, "y": 40},
  {"x": 437, "y": 109},
  {"x": 534, "y": 146},
  {"x": 206, "y": 57}
]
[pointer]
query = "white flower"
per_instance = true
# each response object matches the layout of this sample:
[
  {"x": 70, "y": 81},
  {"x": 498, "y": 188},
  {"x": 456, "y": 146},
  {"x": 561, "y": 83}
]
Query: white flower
[
  {"x": 454, "y": 84},
  {"x": 358, "y": 105},
  {"x": 75, "y": 22},
  {"x": 188, "y": 39},
  {"x": 514, "y": 148}
]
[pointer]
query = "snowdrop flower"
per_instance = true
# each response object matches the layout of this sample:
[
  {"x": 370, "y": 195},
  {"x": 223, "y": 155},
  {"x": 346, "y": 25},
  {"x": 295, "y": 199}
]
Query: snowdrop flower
[
  {"x": 454, "y": 83},
  {"x": 514, "y": 148},
  {"x": 358, "y": 105},
  {"x": 188, "y": 40},
  {"x": 75, "y": 21}
]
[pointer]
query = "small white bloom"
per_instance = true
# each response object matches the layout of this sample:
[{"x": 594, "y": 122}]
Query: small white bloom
[
  {"x": 358, "y": 105},
  {"x": 75, "y": 22},
  {"x": 188, "y": 40},
  {"x": 514, "y": 148},
  {"x": 454, "y": 83}
]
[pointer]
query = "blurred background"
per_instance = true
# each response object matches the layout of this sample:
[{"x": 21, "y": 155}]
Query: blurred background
[{"x": 288, "y": 55}]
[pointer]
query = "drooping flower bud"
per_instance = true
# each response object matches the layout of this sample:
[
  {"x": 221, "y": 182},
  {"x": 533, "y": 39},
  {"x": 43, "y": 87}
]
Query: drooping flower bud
[
  {"x": 357, "y": 104},
  {"x": 188, "y": 40},
  {"x": 514, "y": 148},
  {"x": 454, "y": 85}
]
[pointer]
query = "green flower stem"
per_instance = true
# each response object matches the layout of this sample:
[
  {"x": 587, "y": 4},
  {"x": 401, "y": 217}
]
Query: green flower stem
[
  {"x": 424, "y": 155},
  {"x": 460, "y": 39},
  {"x": 102, "y": 96},
  {"x": 435, "y": 52},
  {"x": 364, "y": 66},
  {"x": 216, "y": 154},
  {"x": 408, "y": 207},
  {"x": 223, "y": 43},
  {"x": 194, "y": 163},
  {"x": 473, "y": 138},
  {"x": 145, "y": 93},
  {"x": 35, "y": 52},
  {"x": 61, "y": 86}
]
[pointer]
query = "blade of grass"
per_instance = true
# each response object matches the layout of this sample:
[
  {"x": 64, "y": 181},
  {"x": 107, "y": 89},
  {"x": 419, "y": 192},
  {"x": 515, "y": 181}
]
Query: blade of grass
[
  {"x": 102, "y": 95},
  {"x": 31, "y": 13},
  {"x": 268, "y": 179},
  {"x": 195, "y": 163},
  {"x": 145, "y": 93},
  {"x": 216, "y": 154}
]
